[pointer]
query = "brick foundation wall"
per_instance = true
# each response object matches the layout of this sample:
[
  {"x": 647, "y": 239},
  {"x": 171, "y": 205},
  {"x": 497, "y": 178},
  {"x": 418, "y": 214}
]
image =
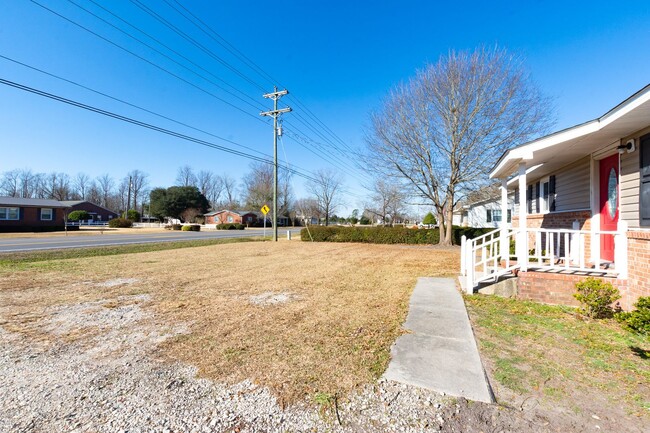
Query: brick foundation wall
[
  {"x": 638, "y": 254},
  {"x": 558, "y": 288}
]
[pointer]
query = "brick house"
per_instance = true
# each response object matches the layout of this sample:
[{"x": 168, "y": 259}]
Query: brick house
[
  {"x": 97, "y": 213},
  {"x": 248, "y": 218},
  {"x": 581, "y": 207},
  {"x": 31, "y": 214}
]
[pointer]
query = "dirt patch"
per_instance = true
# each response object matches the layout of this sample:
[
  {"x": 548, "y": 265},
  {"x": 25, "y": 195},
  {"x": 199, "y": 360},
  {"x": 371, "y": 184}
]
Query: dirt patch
[
  {"x": 272, "y": 298},
  {"x": 117, "y": 282}
]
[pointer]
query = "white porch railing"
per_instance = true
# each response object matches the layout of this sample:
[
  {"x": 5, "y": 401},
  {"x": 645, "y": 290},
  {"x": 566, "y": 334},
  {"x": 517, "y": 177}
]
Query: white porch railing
[
  {"x": 487, "y": 257},
  {"x": 492, "y": 255}
]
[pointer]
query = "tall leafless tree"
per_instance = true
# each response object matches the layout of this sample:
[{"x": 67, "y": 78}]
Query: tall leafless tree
[
  {"x": 57, "y": 186},
  {"x": 230, "y": 200},
  {"x": 443, "y": 130},
  {"x": 186, "y": 176},
  {"x": 81, "y": 183},
  {"x": 138, "y": 186},
  {"x": 326, "y": 189},
  {"x": 106, "y": 185},
  {"x": 9, "y": 183},
  {"x": 258, "y": 188},
  {"x": 387, "y": 200}
]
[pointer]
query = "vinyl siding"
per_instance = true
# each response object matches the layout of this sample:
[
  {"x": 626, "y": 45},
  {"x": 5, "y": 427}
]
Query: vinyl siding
[
  {"x": 630, "y": 188},
  {"x": 572, "y": 187}
]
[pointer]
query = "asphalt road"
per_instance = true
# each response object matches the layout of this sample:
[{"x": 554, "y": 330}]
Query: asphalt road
[{"x": 88, "y": 241}]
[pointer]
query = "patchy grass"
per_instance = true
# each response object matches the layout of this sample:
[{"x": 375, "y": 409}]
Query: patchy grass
[
  {"x": 560, "y": 358},
  {"x": 344, "y": 308}
]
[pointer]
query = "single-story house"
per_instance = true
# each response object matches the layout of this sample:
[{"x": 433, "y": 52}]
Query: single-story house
[
  {"x": 97, "y": 213},
  {"x": 31, "y": 214},
  {"x": 482, "y": 209},
  {"x": 582, "y": 207},
  {"x": 248, "y": 218}
]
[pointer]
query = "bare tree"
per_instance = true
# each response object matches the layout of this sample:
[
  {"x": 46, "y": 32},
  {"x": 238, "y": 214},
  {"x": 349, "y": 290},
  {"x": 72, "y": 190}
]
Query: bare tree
[
  {"x": 138, "y": 185},
  {"x": 57, "y": 186},
  {"x": 9, "y": 183},
  {"x": 93, "y": 194},
  {"x": 230, "y": 190},
  {"x": 81, "y": 183},
  {"x": 106, "y": 185},
  {"x": 444, "y": 129},
  {"x": 387, "y": 200},
  {"x": 210, "y": 185},
  {"x": 306, "y": 209},
  {"x": 258, "y": 188},
  {"x": 186, "y": 176},
  {"x": 326, "y": 190}
]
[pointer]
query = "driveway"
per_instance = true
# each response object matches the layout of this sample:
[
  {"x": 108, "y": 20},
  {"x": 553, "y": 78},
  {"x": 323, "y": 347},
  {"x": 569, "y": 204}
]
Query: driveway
[{"x": 8, "y": 245}]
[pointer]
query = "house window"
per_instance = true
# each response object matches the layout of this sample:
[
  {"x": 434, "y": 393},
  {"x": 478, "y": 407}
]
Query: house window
[
  {"x": 230, "y": 219},
  {"x": 496, "y": 215},
  {"x": 9, "y": 213},
  {"x": 46, "y": 214}
]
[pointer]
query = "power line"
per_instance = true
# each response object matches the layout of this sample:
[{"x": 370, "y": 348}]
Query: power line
[
  {"x": 150, "y": 126},
  {"x": 128, "y": 103}
]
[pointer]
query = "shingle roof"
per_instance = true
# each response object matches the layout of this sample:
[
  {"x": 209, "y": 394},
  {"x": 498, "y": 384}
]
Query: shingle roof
[{"x": 30, "y": 202}]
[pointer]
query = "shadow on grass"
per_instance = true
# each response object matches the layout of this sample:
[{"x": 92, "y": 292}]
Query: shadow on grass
[{"x": 641, "y": 353}]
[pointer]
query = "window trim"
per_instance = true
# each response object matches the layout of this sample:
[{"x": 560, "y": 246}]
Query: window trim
[
  {"x": 7, "y": 210},
  {"x": 544, "y": 196},
  {"x": 51, "y": 214}
]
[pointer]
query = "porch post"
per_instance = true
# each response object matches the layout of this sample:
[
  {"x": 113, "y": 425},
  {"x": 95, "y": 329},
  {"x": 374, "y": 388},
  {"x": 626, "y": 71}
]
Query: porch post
[
  {"x": 522, "y": 242},
  {"x": 620, "y": 249},
  {"x": 505, "y": 248}
]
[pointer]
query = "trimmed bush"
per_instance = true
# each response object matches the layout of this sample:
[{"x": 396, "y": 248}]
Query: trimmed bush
[
  {"x": 120, "y": 223},
  {"x": 596, "y": 297},
  {"x": 191, "y": 228},
  {"x": 230, "y": 226},
  {"x": 78, "y": 215},
  {"x": 384, "y": 235},
  {"x": 176, "y": 226},
  {"x": 469, "y": 232},
  {"x": 637, "y": 320},
  {"x": 373, "y": 235}
]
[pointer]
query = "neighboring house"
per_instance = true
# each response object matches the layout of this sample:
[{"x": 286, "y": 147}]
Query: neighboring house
[
  {"x": 31, "y": 214},
  {"x": 482, "y": 209},
  {"x": 97, "y": 213},
  {"x": 248, "y": 218},
  {"x": 582, "y": 207}
]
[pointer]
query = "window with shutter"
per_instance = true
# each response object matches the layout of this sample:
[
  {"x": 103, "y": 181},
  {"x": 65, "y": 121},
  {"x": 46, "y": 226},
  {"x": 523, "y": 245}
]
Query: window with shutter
[
  {"x": 644, "y": 187},
  {"x": 529, "y": 199},
  {"x": 488, "y": 215},
  {"x": 538, "y": 209}
]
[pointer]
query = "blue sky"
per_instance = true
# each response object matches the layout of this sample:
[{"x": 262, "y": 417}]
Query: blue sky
[{"x": 338, "y": 58}]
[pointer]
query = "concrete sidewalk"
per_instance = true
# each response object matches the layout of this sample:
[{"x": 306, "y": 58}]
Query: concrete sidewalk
[{"x": 440, "y": 353}]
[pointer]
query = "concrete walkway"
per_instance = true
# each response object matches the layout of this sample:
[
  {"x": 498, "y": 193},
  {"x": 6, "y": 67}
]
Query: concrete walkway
[{"x": 440, "y": 352}]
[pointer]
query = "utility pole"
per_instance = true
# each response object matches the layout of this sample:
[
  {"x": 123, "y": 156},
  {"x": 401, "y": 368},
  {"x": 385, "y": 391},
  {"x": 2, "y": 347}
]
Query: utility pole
[
  {"x": 128, "y": 200},
  {"x": 275, "y": 113}
]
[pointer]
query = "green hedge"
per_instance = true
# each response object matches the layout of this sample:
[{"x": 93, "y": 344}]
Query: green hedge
[
  {"x": 384, "y": 235},
  {"x": 120, "y": 223},
  {"x": 191, "y": 228},
  {"x": 230, "y": 226}
]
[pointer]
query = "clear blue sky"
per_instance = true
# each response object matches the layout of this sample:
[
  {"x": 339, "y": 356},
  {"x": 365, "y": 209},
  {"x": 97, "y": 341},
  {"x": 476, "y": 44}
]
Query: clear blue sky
[{"x": 339, "y": 58}]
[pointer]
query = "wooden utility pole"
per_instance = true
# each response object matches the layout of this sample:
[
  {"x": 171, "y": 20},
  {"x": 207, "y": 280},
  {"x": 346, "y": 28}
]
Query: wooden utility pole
[{"x": 275, "y": 113}]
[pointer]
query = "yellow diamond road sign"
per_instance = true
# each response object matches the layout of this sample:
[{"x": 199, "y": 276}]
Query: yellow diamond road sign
[{"x": 265, "y": 209}]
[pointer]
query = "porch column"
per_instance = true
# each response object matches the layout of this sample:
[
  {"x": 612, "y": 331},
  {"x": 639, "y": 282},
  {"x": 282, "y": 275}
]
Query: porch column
[
  {"x": 505, "y": 247},
  {"x": 522, "y": 239}
]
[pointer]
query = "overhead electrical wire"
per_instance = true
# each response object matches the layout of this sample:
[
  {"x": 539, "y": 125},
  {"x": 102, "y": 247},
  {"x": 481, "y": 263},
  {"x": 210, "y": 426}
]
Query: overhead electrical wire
[{"x": 153, "y": 127}]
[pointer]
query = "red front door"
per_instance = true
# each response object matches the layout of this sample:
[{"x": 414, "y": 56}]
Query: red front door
[{"x": 609, "y": 204}]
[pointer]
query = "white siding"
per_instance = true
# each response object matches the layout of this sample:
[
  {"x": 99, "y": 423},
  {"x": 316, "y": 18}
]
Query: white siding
[
  {"x": 572, "y": 187},
  {"x": 477, "y": 214}
]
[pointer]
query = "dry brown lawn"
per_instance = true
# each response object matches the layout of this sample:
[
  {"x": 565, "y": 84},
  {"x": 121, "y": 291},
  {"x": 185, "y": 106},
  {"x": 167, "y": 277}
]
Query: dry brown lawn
[{"x": 345, "y": 305}]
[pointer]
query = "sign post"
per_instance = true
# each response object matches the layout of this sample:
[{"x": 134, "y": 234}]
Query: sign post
[{"x": 265, "y": 209}]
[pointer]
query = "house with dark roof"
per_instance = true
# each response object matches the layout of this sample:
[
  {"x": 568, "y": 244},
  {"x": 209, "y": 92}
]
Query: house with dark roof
[
  {"x": 248, "y": 218},
  {"x": 97, "y": 213},
  {"x": 31, "y": 214}
]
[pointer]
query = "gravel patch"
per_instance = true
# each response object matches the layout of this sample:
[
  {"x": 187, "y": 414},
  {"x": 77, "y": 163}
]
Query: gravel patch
[
  {"x": 110, "y": 381},
  {"x": 118, "y": 282}
]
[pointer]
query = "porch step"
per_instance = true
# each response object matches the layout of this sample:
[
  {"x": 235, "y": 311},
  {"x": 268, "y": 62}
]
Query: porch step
[{"x": 505, "y": 286}]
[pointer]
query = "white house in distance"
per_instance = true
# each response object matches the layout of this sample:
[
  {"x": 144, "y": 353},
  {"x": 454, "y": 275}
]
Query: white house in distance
[
  {"x": 482, "y": 209},
  {"x": 582, "y": 207}
]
